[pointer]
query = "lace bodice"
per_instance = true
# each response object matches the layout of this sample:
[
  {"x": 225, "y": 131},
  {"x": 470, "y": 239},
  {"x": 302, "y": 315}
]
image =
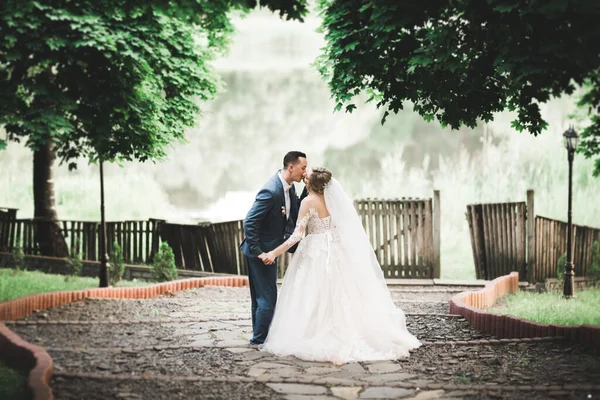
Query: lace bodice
[
  {"x": 312, "y": 224},
  {"x": 316, "y": 224}
]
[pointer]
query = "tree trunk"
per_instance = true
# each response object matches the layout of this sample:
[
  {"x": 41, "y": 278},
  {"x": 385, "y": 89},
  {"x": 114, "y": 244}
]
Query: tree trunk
[{"x": 47, "y": 233}]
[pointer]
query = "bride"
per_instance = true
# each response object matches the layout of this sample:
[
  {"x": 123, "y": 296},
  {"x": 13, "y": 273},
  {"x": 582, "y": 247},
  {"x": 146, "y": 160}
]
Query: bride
[{"x": 334, "y": 304}]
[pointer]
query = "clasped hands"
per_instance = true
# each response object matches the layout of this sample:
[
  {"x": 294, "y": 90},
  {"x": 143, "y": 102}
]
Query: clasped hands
[{"x": 267, "y": 258}]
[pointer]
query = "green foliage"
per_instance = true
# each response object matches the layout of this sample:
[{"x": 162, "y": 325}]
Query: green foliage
[
  {"x": 560, "y": 271},
  {"x": 462, "y": 61},
  {"x": 17, "y": 258},
  {"x": 13, "y": 383},
  {"x": 594, "y": 268},
  {"x": 589, "y": 103},
  {"x": 74, "y": 263},
  {"x": 462, "y": 379},
  {"x": 117, "y": 267},
  {"x": 560, "y": 266},
  {"x": 593, "y": 271},
  {"x": 164, "y": 268},
  {"x": 111, "y": 79}
]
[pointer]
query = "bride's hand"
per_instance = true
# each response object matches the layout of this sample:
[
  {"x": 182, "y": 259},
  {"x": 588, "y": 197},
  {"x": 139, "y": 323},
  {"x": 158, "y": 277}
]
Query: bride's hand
[{"x": 269, "y": 258}]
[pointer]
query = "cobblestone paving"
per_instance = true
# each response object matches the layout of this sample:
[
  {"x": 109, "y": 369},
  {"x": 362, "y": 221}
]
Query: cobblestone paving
[{"x": 194, "y": 345}]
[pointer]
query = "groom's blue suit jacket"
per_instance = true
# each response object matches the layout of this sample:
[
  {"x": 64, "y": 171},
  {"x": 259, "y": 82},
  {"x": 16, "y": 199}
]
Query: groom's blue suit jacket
[{"x": 265, "y": 226}]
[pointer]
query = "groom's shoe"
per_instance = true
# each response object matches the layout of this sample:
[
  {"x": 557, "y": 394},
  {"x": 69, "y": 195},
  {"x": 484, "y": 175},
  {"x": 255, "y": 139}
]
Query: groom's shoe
[{"x": 253, "y": 345}]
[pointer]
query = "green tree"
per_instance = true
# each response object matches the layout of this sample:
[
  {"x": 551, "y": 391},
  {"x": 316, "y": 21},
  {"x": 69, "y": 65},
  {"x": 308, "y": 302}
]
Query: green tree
[
  {"x": 461, "y": 61},
  {"x": 110, "y": 80},
  {"x": 163, "y": 267}
]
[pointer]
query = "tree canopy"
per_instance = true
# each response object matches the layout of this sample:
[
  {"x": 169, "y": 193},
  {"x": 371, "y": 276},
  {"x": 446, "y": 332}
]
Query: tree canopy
[
  {"x": 113, "y": 79},
  {"x": 461, "y": 61}
]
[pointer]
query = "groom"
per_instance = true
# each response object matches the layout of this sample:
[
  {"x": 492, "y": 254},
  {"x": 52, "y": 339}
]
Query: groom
[{"x": 270, "y": 221}]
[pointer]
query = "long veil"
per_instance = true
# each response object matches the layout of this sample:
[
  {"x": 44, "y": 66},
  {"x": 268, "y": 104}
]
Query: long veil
[{"x": 353, "y": 239}]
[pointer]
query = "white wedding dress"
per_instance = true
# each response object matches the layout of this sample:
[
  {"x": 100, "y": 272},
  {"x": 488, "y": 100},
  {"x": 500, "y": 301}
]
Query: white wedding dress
[{"x": 334, "y": 304}]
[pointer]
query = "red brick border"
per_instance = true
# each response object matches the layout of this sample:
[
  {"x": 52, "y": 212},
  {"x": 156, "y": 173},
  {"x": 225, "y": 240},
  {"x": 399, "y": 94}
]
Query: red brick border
[
  {"x": 472, "y": 305},
  {"x": 36, "y": 362}
]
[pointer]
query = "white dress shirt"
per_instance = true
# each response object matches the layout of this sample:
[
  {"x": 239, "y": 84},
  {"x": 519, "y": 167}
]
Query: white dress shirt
[{"x": 286, "y": 190}]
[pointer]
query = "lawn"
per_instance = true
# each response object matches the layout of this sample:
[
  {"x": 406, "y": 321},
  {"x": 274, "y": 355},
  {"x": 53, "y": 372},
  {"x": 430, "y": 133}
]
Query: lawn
[
  {"x": 12, "y": 383},
  {"x": 16, "y": 283},
  {"x": 552, "y": 308}
]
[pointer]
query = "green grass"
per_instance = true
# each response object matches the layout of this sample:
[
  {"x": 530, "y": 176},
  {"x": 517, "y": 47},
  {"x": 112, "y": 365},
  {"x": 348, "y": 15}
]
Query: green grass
[
  {"x": 552, "y": 308},
  {"x": 12, "y": 383},
  {"x": 15, "y": 284}
]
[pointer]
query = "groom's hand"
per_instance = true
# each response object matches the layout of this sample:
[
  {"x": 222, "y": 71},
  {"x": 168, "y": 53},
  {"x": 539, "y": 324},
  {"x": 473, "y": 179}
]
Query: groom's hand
[
  {"x": 266, "y": 258},
  {"x": 263, "y": 257}
]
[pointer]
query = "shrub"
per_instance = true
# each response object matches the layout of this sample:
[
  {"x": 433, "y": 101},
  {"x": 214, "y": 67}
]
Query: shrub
[
  {"x": 17, "y": 258},
  {"x": 594, "y": 270},
  {"x": 74, "y": 263},
  {"x": 163, "y": 268},
  {"x": 117, "y": 267}
]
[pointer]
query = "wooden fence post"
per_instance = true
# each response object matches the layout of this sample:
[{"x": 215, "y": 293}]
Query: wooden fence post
[
  {"x": 530, "y": 271},
  {"x": 155, "y": 225},
  {"x": 8, "y": 217},
  {"x": 437, "y": 234}
]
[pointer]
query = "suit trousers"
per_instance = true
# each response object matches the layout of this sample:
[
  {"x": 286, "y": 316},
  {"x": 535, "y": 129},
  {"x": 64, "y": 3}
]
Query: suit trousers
[{"x": 263, "y": 292}]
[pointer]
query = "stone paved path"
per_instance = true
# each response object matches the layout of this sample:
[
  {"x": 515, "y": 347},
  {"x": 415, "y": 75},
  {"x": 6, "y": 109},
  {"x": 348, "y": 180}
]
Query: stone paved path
[{"x": 193, "y": 345}]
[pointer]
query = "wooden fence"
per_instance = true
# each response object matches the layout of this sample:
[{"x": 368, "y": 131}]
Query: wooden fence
[
  {"x": 402, "y": 234},
  {"x": 551, "y": 244},
  {"x": 405, "y": 235},
  {"x": 207, "y": 247},
  {"x": 138, "y": 239},
  {"x": 509, "y": 237},
  {"x": 7, "y": 216},
  {"x": 498, "y": 238}
]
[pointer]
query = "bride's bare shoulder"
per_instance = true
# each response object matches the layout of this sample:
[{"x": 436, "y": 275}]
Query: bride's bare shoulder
[{"x": 313, "y": 201}]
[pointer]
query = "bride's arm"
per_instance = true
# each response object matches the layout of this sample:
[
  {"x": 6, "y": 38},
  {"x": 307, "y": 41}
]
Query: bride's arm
[{"x": 303, "y": 217}]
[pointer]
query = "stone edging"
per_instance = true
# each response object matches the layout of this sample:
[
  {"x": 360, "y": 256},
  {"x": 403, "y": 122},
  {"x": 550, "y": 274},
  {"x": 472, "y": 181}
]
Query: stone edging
[
  {"x": 36, "y": 362},
  {"x": 472, "y": 305}
]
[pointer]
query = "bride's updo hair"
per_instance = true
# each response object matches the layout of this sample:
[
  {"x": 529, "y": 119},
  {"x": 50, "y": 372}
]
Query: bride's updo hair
[{"x": 318, "y": 180}]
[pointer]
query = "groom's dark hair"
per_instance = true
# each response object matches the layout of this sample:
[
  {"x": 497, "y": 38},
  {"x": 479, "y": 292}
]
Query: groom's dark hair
[{"x": 292, "y": 158}]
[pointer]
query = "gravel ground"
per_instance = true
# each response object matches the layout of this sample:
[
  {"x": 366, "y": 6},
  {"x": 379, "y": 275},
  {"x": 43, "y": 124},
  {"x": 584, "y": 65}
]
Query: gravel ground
[
  {"x": 194, "y": 345},
  {"x": 92, "y": 389}
]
